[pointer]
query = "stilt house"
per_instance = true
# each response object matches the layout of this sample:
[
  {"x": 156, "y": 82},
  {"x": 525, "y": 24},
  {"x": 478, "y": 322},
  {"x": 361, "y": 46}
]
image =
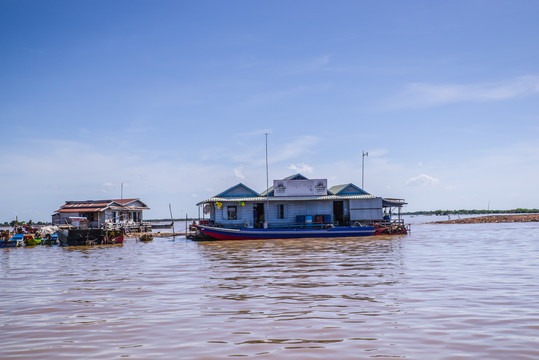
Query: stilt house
[{"x": 98, "y": 212}]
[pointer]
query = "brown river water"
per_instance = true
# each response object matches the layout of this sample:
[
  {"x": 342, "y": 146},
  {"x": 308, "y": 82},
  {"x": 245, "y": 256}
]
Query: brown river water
[{"x": 442, "y": 292}]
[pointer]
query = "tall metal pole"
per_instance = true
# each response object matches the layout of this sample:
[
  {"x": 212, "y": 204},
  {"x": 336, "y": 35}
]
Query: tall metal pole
[
  {"x": 363, "y": 169},
  {"x": 266, "y": 215}
]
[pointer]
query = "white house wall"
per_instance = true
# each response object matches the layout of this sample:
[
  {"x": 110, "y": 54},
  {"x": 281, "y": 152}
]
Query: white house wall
[
  {"x": 355, "y": 209},
  {"x": 244, "y": 213},
  {"x": 136, "y": 204},
  {"x": 366, "y": 209},
  {"x": 291, "y": 211},
  {"x": 64, "y": 217},
  {"x": 299, "y": 208}
]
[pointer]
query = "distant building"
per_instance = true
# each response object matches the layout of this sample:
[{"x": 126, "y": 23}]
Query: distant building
[
  {"x": 98, "y": 212},
  {"x": 298, "y": 200}
]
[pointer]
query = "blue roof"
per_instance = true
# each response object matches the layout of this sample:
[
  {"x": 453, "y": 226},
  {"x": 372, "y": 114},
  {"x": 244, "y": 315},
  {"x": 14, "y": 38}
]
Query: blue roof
[
  {"x": 239, "y": 190},
  {"x": 296, "y": 177},
  {"x": 291, "y": 177},
  {"x": 347, "y": 189}
]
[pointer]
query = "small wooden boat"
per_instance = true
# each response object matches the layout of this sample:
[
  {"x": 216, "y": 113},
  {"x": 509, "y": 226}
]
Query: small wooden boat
[
  {"x": 50, "y": 239},
  {"x": 162, "y": 226},
  {"x": 146, "y": 237},
  {"x": 31, "y": 240},
  {"x": 390, "y": 229},
  {"x": 14, "y": 241},
  {"x": 216, "y": 233}
]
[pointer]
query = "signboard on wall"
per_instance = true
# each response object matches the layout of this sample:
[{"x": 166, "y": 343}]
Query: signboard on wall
[{"x": 315, "y": 187}]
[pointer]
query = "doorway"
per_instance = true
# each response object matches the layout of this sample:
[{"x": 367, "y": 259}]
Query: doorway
[
  {"x": 338, "y": 212},
  {"x": 258, "y": 215}
]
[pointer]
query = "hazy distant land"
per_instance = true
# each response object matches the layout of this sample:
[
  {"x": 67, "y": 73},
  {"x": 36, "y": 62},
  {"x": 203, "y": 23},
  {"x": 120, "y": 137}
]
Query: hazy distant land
[{"x": 493, "y": 219}]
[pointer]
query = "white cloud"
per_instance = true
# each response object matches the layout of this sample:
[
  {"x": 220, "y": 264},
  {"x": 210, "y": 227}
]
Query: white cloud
[
  {"x": 317, "y": 63},
  {"x": 314, "y": 64},
  {"x": 424, "y": 94},
  {"x": 106, "y": 187},
  {"x": 253, "y": 133},
  {"x": 377, "y": 152},
  {"x": 301, "y": 168},
  {"x": 238, "y": 172},
  {"x": 300, "y": 146},
  {"x": 422, "y": 180}
]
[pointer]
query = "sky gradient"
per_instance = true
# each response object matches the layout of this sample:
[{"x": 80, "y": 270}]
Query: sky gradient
[{"x": 172, "y": 99}]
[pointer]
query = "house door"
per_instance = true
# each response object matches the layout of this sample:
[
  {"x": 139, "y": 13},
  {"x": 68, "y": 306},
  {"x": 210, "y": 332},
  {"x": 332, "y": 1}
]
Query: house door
[
  {"x": 258, "y": 215},
  {"x": 338, "y": 212}
]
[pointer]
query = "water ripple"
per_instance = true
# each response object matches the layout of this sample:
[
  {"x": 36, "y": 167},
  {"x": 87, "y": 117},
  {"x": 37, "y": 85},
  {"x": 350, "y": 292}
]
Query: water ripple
[{"x": 445, "y": 291}]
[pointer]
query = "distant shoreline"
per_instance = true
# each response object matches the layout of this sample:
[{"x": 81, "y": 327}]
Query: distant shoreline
[
  {"x": 492, "y": 219},
  {"x": 474, "y": 212}
]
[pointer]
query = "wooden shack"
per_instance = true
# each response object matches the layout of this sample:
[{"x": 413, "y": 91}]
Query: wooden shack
[{"x": 100, "y": 212}]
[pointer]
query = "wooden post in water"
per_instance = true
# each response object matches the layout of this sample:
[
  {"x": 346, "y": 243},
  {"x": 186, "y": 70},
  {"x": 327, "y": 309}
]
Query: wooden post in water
[{"x": 171, "y": 218}]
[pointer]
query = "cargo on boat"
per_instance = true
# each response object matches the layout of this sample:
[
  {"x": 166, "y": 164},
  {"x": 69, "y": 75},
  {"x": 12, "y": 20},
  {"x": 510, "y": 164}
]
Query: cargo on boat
[{"x": 297, "y": 207}]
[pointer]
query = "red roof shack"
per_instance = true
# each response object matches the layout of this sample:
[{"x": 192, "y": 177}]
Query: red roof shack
[{"x": 99, "y": 212}]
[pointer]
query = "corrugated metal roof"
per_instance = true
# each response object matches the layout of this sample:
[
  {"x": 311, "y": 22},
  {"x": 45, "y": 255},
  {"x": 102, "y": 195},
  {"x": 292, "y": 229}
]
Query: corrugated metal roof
[
  {"x": 393, "y": 202},
  {"x": 120, "y": 208},
  {"x": 72, "y": 210},
  {"x": 100, "y": 205},
  {"x": 124, "y": 201},
  {"x": 87, "y": 205},
  {"x": 288, "y": 198}
]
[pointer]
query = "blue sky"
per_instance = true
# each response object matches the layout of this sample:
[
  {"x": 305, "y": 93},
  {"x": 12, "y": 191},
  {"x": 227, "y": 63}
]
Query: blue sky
[{"x": 172, "y": 99}]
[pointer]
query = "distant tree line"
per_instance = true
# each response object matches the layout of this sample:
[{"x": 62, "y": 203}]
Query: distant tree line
[
  {"x": 15, "y": 222},
  {"x": 473, "y": 212},
  {"x": 168, "y": 220}
]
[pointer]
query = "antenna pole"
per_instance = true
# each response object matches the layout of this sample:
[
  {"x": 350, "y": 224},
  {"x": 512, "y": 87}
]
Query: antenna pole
[
  {"x": 363, "y": 170},
  {"x": 266, "y": 215}
]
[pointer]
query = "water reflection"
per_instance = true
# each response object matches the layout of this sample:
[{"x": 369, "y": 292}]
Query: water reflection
[{"x": 322, "y": 288}]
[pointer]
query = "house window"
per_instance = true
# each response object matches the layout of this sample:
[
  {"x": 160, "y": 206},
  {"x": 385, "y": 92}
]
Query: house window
[
  {"x": 280, "y": 214},
  {"x": 232, "y": 212}
]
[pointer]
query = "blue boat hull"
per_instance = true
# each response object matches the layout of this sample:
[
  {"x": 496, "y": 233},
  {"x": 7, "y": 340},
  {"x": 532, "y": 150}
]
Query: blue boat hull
[
  {"x": 15, "y": 241},
  {"x": 215, "y": 233}
]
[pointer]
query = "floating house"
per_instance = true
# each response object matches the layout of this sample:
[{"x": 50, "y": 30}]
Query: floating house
[
  {"x": 297, "y": 200},
  {"x": 99, "y": 212}
]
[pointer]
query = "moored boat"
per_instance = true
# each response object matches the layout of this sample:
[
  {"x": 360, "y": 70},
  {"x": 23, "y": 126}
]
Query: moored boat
[
  {"x": 31, "y": 240},
  {"x": 14, "y": 241},
  {"x": 163, "y": 226},
  {"x": 216, "y": 233},
  {"x": 50, "y": 239}
]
